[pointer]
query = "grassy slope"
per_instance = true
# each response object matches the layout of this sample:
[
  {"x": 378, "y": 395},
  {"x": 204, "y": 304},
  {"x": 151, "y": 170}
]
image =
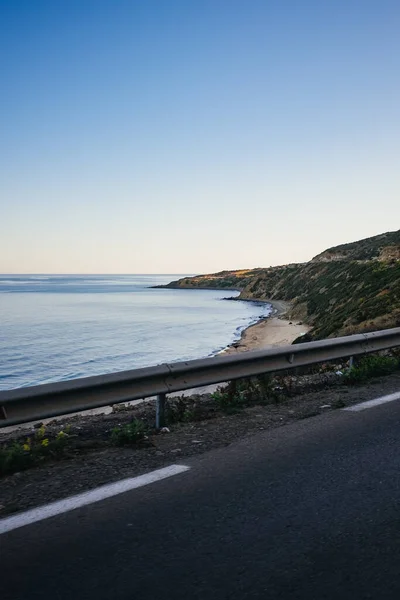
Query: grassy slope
[
  {"x": 341, "y": 291},
  {"x": 336, "y": 297},
  {"x": 366, "y": 249}
]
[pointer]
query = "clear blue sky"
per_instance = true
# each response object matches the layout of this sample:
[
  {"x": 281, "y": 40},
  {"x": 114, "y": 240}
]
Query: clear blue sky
[{"x": 189, "y": 136}]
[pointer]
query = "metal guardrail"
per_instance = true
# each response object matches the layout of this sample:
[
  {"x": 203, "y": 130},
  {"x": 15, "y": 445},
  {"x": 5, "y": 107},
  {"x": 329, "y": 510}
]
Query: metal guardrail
[{"x": 23, "y": 405}]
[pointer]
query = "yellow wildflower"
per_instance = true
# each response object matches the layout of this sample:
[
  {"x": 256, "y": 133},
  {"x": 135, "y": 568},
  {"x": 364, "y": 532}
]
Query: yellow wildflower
[
  {"x": 61, "y": 434},
  {"x": 45, "y": 442},
  {"x": 40, "y": 432},
  {"x": 26, "y": 447}
]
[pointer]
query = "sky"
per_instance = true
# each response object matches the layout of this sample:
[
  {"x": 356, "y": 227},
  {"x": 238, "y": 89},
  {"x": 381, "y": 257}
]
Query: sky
[{"x": 191, "y": 136}]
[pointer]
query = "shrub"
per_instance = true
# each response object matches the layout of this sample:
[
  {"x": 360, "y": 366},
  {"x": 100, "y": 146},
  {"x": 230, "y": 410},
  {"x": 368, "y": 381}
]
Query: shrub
[
  {"x": 371, "y": 366},
  {"x": 14, "y": 458},
  {"x": 176, "y": 410},
  {"x": 129, "y": 434},
  {"x": 244, "y": 392},
  {"x": 21, "y": 455},
  {"x": 221, "y": 398}
]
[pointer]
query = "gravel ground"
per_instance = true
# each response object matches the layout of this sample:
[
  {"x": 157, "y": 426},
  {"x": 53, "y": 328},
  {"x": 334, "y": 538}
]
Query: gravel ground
[{"x": 91, "y": 461}]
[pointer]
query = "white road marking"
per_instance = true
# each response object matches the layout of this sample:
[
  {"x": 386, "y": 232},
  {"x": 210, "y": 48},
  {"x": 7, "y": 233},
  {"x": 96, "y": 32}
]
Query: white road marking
[
  {"x": 372, "y": 403},
  {"x": 100, "y": 493}
]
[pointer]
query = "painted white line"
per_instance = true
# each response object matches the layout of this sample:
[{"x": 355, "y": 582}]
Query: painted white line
[
  {"x": 372, "y": 403},
  {"x": 101, "y": 493}
]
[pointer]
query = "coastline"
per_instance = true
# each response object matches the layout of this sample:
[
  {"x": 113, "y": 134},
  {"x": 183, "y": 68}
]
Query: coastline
[
  {"x": 270, "y": 331},
  {"x": 267, "y": 332}
]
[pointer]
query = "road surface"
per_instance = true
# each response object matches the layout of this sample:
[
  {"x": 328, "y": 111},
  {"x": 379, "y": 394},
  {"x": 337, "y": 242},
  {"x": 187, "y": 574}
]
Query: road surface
[{"x": 308, "y": 511}]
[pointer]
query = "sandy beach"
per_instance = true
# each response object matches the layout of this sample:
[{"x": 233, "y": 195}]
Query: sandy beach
[
  {"x": 267, "y": 333},
  {"x": 272, "y": 331}
]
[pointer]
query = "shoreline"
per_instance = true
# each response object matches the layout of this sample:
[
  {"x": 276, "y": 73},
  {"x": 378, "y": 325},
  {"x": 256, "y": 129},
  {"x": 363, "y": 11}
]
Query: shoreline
[{"x": 268, "y": 332}]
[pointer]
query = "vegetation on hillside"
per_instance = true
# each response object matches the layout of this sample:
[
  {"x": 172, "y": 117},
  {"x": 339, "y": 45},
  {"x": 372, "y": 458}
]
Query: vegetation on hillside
[
  {"x": 347, "y": 289},
  {"x": 366, "y": 249},
  {"x": 337, "y": 297},
  {"x": 233, "y": 280}
]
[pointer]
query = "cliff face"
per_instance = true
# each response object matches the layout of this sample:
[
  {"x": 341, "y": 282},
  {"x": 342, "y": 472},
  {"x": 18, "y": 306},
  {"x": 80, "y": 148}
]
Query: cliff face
[{"x": 347, "y": 289}]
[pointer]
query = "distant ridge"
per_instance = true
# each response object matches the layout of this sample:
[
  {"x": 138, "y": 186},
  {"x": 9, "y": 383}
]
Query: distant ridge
[
  {"x": 366, "y": 249},
  {"x": 345, "y": 289}
]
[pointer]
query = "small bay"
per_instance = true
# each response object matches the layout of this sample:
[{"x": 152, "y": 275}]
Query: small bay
[{"x": 58, "y": 327}]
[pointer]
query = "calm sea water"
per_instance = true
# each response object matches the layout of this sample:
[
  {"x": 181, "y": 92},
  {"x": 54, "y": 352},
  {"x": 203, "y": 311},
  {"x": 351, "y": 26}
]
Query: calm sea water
[{"x": 61, "y": 327}]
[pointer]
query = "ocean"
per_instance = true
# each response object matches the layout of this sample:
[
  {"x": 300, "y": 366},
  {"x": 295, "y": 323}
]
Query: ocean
[{"x": 59, "y": 327}]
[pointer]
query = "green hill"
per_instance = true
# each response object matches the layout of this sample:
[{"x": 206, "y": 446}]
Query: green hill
[
  {"x": 367, "y": 249},
  {"x": 346, "y": 289}
]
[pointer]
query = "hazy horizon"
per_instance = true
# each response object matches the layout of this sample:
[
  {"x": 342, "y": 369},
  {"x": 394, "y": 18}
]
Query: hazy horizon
[
  {"x": 187, "y": 274},
  {"x": 154, "y": 137}
]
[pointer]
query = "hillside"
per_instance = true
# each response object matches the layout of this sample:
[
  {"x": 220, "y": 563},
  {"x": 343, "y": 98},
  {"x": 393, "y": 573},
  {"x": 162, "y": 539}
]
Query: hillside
[
  {"x": 346, "y": 289},
  {"x": 371, "y": 248},
  {"x": 228, "y": 280}
]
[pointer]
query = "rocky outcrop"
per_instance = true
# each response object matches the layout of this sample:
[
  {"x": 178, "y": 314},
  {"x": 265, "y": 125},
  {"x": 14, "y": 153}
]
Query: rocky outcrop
[{"x": 390, "y": 253}]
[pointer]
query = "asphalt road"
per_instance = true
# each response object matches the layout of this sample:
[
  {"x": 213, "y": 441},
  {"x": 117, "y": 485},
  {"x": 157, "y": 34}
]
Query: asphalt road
[{"x": 310, "y": 511}]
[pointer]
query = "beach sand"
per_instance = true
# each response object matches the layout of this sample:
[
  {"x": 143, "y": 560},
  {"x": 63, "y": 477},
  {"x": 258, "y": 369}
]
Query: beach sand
[{"x": 267, "y": 333}]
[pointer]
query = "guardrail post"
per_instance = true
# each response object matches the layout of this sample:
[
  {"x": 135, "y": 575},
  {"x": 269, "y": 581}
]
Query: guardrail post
[
  {"x": 160, "y": 411},
  {"x": 351, "y": 362}
]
